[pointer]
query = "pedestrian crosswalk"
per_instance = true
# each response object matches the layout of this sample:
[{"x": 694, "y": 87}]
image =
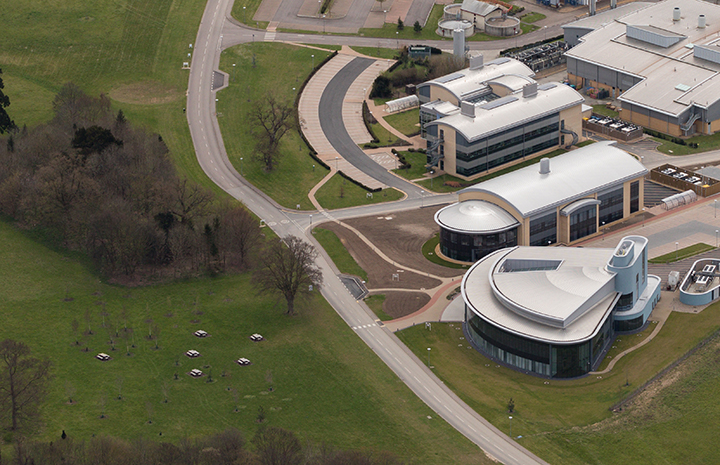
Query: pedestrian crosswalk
[
  {"x": 384, "y": 160},
  {"x": 270, "y": 36},
  {"x": 363, "y": 326}
]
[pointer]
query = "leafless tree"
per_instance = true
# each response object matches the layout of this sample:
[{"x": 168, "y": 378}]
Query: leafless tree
[
  {"x": 237, "y": 235},
  {"x": 277, "y": 446},
  {"x": 274, "y": 119},
  {"x": 23, "y": 382},
  {"x": 288, "y": 267}
]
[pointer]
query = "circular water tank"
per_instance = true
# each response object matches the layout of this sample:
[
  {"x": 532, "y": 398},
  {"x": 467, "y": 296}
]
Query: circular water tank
[
  {"x": 502, "y": 26},
  {"x": 452, "y": 11},
  {"x": 446, "y": 27}
]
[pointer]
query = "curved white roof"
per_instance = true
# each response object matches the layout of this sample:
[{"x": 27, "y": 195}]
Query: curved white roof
[
  {"x": 563, "y": 305},
  {"x": 573, "y": 175},
  {"x": 478, "y": 8},
  {"x": 475, "y": 216}
]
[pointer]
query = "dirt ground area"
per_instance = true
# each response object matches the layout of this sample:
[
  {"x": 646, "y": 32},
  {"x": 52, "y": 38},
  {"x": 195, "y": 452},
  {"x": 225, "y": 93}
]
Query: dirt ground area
[
  {"x": 401, "y": 236},
  {"x": 399, "y": 304},
  {"x": 379, "y": 271}
]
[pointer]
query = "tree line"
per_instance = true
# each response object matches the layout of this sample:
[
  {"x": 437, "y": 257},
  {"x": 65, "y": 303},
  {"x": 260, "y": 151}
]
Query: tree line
[
  {"x": 269, "y": 446},
  {"x": 91, "y": 181}
]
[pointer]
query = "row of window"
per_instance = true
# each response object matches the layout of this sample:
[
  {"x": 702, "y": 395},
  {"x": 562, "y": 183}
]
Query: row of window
[
  {"x": 522, "y": 152},
  {"x": 472, "y": 247},
  {"x": 543, "y": 230},
  {"x": 517, "y": 140},
  {"x": 583, "y": 222},
  {"x": 611, "y": 206}
]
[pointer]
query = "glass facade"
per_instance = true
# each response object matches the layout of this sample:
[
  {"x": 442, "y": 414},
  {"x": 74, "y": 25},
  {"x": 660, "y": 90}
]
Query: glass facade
[
  {"x": 541, "y": 358},
  {"x": 629, "y": 325},
  {"x": 509, "y": 145},
  {"x": 583, "y": 222},
  {"x": 468, "y": 247},
  {"x": 634, "y": 196},
  {"x": 611, "y": 206},
  {"x": 543, "y": 230}
]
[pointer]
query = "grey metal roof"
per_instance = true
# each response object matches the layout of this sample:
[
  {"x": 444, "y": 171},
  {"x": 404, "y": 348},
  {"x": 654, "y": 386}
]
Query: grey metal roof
[
  {"x": 511, "y": 111},
  {"x": 607, "y": 16},
  {"x": 572, "y": 176},
  {"x": 660, "y": 69},
  {"x": 475, "y": 216},
  {"x": 562, "y": 306},
  {"x": 478, "y": 8}
]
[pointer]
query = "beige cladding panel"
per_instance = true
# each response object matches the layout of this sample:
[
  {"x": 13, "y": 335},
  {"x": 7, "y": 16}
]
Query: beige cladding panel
[
  {"x": 573, "y": 120},
  {"x": 440, "y": 93},
  {"x": 563, "y": 229},
  {"x": 450, "y": 166}
]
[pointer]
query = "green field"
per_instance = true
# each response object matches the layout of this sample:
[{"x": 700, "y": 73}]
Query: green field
[
  {"x": 338, "y": 192},
  {"x": 705, "y": 143},
  {"x": 685, "y": 252},
  {"x": 338, "y": 253},
  {"x": 417, "y": 169},
  {"x": 390, "y": 31},
  {"x": 605, "y": 111},
  {"x": 329, "y": 388},
  {"x": 387, "y": 53},
  {"x": 279, "y": 70},
  {"x": 428, "y": 251},
  {"x": 406, "y": 122},
  {"x": 532, "y": 17},
  {"x": 375, "y": 302},
  {"x": 560, "y": 421}
]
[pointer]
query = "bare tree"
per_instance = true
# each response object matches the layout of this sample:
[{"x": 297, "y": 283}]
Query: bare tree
[
  {"x": 288, "y": 267},
  {"x": 23, "y": 382},
  {"x": 275, "y": 119},
  {"x": 237, "y": 235},
  {"x": 277, "y": 446}
]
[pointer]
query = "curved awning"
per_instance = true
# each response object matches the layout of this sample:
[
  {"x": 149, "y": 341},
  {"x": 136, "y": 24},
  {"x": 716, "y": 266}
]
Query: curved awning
[{"x": 578, "y": 204}]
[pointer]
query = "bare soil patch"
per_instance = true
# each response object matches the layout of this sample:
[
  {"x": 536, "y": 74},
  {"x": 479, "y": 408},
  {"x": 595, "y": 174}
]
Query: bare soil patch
[
  {"x": 399, "y": 304},
  {"x": 401, "y": 236},
  {"x": 143, "y": 93},
  {"x": 379, "y": 271}
]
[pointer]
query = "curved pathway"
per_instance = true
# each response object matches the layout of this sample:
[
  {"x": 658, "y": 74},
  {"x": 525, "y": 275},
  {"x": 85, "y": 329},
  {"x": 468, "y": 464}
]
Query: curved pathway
[{"x": 211, "y": 155}]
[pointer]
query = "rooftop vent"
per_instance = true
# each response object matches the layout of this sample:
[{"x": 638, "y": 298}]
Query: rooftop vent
[
  {"x": 467, "y": 109},
  {"x": 530, "y": 90},
  {"x": 476, "y": 62},
  {"x": 545, "y": 166},
  {"x": 676, "y": 13},
  {"x": 701, "y": 21}
]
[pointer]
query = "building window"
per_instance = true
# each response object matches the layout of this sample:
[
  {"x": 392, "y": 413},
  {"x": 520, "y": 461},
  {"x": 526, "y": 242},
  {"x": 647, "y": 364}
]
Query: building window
[
  {"x": 583, "y": 222},
  {"x": 543, "y": 230},
  {"x": 611, "y": 206},
  {"x": 634, "y": 196}
]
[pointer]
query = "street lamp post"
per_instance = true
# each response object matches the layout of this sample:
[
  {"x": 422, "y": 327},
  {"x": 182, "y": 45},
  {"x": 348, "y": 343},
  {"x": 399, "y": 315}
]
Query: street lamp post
[
  {"x": 676, "y": 250},
  {"x": 716, "y": 238},
  {"x": 397, "y": 38},
  {"x": 510, "y": 426},
  {"x": 241, "y": 167},
  {"x": 336, "y": 163},
  {"x": 715, "y": 202},
  {"x": 243, "y": 15},
  {"x": 313, "y": 61},
  {"x": 310, "y": 221},
  {"x": 428, "y": 357},
  {"x": 422, "y": 199},
  {"x": 323, "y": 24}
]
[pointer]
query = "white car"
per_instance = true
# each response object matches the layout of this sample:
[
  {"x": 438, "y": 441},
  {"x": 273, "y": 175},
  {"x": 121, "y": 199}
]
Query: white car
[
  {"x": 200, "y": 333},
  {"x": 192, "y": 353},
  {"x": 243, "y": 361},
  {"x": 256, "y": 337},
  {"x": 103, "y": 357},
  {"x": 196, "y": 373}
]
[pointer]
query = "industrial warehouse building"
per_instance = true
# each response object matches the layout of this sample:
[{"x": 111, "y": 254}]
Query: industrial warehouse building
[
  {"x": 553, "y": 311},
  {"x": 559, "y": 200},
  {"x": 490, "y": 115},
  {"x": 660, "y": 61}
]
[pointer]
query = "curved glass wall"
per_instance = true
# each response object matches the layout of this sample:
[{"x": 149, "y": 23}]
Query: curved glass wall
[
  {"x": 470, "y": 247},
  {"x": 541, "y": 358}
]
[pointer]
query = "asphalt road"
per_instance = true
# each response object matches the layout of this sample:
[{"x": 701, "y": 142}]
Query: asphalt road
[
  {"x": 331, "y": 122},
  {"x": 212, "y": 157}
]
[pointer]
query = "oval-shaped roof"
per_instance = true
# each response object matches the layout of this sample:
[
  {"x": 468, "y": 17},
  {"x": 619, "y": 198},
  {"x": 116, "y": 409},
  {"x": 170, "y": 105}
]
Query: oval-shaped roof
[{"x": 475, "y": 216}]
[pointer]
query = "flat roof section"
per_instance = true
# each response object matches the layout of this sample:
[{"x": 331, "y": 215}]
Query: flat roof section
[
  {"x": 475, "y": 216},
  {"x": 573, "y": 175}
]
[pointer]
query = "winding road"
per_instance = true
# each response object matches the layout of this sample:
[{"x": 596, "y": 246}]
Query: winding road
[{"x": 216, "y": 32}]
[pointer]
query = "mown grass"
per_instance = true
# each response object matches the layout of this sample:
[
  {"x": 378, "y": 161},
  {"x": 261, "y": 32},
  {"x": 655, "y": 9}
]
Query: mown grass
[
  {"x": 428, "y": 251},
  {"x": 683, "y": 253},
  {"x": 338, "y": 253},
  {"x": 279, "y": 71},
  {"x": 558, "y": 420},
  {"x": 532, "y": 17},
  {"x": 327, "y": 385},
  {"x": 406, "y": 122},
  {"x": 438, "y": 184},
  {"x": 705, "y": 144},
  {"x": 244, "y": 11},
  {"x": 417, "y": 169},
  {"x": 338, "y": 192},
  {"x": 384, "y": 136},
  {"x": 375, "y": 302},
  {"x": 390, "y": 31},
  {"x": 605, "y": 111},
  {"x": 387, "y": 53}
]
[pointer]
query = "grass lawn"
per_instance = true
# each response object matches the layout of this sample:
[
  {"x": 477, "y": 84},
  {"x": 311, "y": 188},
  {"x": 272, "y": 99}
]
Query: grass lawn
[
  {"x": 375, "y": 302},
  {"x": 526, "y": 28},
  {"x": 338, "y": 253},
  {"x": 390, "y": 31},
  {"x": 685, "y": 252},
  {"x": 705, "y": 143},
  {"x": 387, "y": 53},
  {"x": 244, "y": 10},
  {"x": 417, "y": 162},
  {"x": 330, "y": 388},
  {"x": 605, "y": 111},
  {"x": 129, "y": 49},
  {"x": 329, "y": 195},
  {"x": 559, "y": 421},
  {"x": 385, "y": 137},
  {"x": 428, "y": 251},
  {"x": 279, "y": 68},
  {"x": 406, "y": 122},
  {"x": 532, "y": 17},
  {"x": 326, "y": 47},
  {"x": 438, "y": 184}
]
